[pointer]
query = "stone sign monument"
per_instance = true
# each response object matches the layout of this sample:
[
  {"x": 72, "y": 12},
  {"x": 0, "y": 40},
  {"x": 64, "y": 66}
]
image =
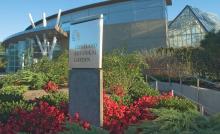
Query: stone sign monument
[{"x": 85, "y": 61}]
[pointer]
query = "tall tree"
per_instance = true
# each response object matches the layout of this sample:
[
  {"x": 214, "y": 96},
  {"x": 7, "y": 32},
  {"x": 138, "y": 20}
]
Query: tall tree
[
  {"x": 211, "y": 48},
  {"x": 2, "y": 57}
]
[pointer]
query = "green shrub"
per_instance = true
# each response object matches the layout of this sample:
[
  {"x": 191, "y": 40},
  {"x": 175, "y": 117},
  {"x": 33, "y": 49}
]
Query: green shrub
[
  {"x": 29, "y": 78},
  {"x": 215, "y": 122},
  {"x": 177, "y": 104},
  {"x": 25, "y": 77},
  {"x": 123, "y": 69},
  {"x": 9, "y": 97},
  {"x": 7, "y": 80},
  {"x": 7, "y": 107},
  {"x": 12, "y": 93},
  {"x": 55, "y": 98},
  {"x": 200, "y": 61},
  {"x": 140, "y": 88},
  {"x": 125, "y": 100},
  {"x": 56, "y": 70},
  {"x": 14, "y": 89},
  {"x": 171, "y": 121},
  {"x": 76, "y": 129}
]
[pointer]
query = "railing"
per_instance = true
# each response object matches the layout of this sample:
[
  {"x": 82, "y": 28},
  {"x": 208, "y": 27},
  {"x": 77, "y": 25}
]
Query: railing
[
  {"x": 198, "y": 86},
  {"x": 198, "y": 80},
  {"x": 180, "y": 92},
  {"x": 200, "y": 106},
  {"x": 154, "y": 79}
]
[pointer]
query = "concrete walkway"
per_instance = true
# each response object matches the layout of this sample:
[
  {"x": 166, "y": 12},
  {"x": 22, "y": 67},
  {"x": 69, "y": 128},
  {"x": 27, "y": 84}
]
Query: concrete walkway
[
  {"x": 209, "y": 99},
  {"x": 32, "y": 94}
]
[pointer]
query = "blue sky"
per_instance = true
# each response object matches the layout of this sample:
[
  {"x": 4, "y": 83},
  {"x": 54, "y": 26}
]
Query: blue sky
[{"x": 14, "y": 13}]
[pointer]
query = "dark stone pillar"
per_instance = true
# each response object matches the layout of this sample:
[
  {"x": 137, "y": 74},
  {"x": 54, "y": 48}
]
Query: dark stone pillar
[{"x": 86, "y": 95}]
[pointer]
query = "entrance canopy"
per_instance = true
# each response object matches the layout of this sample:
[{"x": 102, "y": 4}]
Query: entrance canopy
[{"x": 49, "y": 31}]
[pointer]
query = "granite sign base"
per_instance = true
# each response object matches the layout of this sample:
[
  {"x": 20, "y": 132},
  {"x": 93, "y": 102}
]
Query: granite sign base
[{"x": 86, "y": 95}]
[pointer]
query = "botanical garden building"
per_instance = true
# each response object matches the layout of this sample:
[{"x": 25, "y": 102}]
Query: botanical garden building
[
  {"x": 130, "y": 24},
  {"x": 190, "y": 27}
]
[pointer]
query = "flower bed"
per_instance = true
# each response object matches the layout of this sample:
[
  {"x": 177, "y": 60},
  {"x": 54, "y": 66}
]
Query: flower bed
[
  {"x": 42, "y": 119},
  {"x": 143, "y": 115},
  {"x": 131, "y": 107},
  {"x": 45, "y": 118},
  {"x": 117, "y": 117}
]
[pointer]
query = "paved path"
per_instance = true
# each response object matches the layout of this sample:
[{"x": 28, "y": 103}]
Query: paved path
[
  {"x": 32, "y": 94},
  {"x": 209, "y": 99}
]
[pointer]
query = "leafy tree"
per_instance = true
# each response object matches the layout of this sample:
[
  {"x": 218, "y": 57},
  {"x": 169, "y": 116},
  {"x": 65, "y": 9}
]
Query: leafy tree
[
  {"x": 2, "y": 57},
  {"x": 211, "y": 44},
  {"x": 202, "y": 61},
  {"x": 211, "y": 49}
]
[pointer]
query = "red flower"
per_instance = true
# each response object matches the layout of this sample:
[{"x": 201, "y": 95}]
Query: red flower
[
  {"x": 117, "y": 90},
  {"x": 117, "y": 117},
  {"x": 86, "y": 125},
  {"x": 76, "y": 117},
  {"x": 42, "y": 119},
  {"x": 51, "y": 87}
]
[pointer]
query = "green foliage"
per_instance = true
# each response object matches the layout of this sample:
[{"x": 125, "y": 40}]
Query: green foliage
[
  {"x": 125, "y": 100},
  {"x": 55, "y": 98},
  {"x": 170, "y": 121},
  {"x": 14, "y": 89},
  {"x": 7, "y": 107},
  {"x": 122, "y": 69},
  {"x": 211, "y": 50},
  {"x": 215, "y": 122},
  {"x": 76, "y": 129},
  {"x": 176, "y": 103},
  {"x": 56, "y": 70},
  {"x": 12, "y": 93},
  {"x": 125, "y": 70},
  {"x": 2, "y": 57},
  {"x": 140, "y": 88},
  {"x": 171, "y": 62},
  {"x": 8, "y": 97},
  {"x": 7, "y": 80},
  {"x": 201, "y": 61},
  {"x": 211, "y": 44},
  {"x": 1, "y": 47},
  {"x": 25, "y": 77}
]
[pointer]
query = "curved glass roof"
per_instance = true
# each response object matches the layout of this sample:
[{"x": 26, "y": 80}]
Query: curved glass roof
[
  {"x": 95, "y": 5},
  {"x": 209, "y": 20}
]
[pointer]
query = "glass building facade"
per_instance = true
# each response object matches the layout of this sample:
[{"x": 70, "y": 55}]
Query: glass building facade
[
  {"x": 24, "y": 53},
  {"x": 190, "y": 27},
  {"x": 131, "y": 24}
]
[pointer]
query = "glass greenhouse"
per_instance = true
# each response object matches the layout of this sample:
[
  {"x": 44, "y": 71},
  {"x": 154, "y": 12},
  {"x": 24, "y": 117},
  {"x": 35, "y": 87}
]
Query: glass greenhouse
[{"x": 190, "y": 27}]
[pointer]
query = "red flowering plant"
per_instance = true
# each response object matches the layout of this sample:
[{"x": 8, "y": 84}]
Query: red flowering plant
[
  {"x": 117, "y": 116},
  {"x": 51, "y": 87},
  {"x": 76, "y": 119},
  {"x": 117, "y": 90},
  {"x": 49, "y": 119},
  {"x": 64, "y": 107},
  {"x": 86, "y": 125},
  {"x": 42, "y": 119}
]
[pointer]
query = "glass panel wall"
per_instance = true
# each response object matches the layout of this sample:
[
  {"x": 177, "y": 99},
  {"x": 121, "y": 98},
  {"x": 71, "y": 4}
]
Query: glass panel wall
[
  {"x": 15, "y": 56},
  {"x": 186, "y": 30},
  {"x": 24, "y": 53}
]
